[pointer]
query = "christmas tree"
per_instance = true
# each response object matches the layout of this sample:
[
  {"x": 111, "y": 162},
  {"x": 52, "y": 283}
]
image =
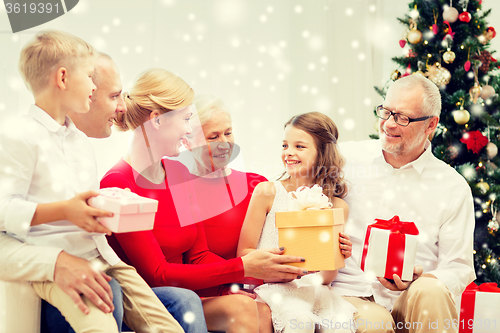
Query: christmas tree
[{"x": 448, "y": 42}]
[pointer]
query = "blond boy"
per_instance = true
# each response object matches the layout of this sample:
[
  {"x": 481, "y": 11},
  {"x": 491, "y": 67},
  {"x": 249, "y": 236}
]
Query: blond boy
[{"x": 49, "y": 171}]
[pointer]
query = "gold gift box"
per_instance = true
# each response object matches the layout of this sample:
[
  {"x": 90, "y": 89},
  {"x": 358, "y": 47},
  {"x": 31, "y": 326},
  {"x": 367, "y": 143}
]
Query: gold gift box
[{"x": 313, "y": 235}]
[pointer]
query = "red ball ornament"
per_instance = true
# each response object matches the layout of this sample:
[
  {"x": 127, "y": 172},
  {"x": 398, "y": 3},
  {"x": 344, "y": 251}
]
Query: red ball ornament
[
  {"x": 435, "y": 29},
  {"x": 465, "y": 17}
]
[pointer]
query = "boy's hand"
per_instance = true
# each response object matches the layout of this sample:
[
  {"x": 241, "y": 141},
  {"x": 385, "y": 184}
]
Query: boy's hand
[
  {"x": 78, "y": 212},
  {"x": 76, "y": 277},
  {"x": 345, "y": 245}
]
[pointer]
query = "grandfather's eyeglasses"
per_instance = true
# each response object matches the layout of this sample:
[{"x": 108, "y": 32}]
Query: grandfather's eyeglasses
[{"x": 399, "y": 118}]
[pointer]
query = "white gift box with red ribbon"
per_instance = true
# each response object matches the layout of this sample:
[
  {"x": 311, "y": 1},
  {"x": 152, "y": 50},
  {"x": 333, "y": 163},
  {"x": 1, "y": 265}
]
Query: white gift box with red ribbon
[
  {"x": 479, "y": 309},
  {"x": 131, "y": 211},
  {"x": 390, "y": 248}
]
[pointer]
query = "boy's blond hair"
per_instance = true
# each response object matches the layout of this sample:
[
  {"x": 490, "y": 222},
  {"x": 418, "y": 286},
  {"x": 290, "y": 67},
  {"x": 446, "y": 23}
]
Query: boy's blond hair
[{"x": 48, "y": 50}]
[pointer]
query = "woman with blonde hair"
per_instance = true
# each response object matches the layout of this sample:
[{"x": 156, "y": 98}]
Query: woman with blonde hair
[{"x": 175, "y": 252}]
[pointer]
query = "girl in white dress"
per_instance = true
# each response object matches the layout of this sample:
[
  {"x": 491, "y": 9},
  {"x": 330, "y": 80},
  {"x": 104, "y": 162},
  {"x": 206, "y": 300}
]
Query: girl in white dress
[{"x": 310, "y": 157}]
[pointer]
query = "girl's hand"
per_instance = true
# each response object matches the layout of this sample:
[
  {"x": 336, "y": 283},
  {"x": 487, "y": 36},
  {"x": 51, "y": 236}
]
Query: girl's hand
[{"x": 345, "y": 245}]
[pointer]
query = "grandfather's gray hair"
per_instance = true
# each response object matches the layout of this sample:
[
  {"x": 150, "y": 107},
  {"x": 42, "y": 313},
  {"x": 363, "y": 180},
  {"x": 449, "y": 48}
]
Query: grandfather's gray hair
[{"x": 431, "y": 97}]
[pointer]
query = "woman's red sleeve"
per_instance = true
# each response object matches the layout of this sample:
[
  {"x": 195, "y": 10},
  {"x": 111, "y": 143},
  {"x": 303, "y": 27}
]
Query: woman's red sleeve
[{"x": 202, "y": 268}]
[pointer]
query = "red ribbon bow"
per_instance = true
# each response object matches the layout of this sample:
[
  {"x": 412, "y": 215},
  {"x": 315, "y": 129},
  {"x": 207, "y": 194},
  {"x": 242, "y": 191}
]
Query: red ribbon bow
[
  {"x": 450, "y": 32},
  {"x": 398, "y": 231},
  {"x": 395, "y": 225},
  {"x": 493, "y": 32},
  {"x": 475, "y": 141},
  {"x": 489, "y": 287}
]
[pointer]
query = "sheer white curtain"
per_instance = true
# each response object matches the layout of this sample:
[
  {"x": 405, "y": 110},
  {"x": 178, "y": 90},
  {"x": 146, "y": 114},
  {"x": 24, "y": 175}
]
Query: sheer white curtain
[{"x": 268, "y": 59}]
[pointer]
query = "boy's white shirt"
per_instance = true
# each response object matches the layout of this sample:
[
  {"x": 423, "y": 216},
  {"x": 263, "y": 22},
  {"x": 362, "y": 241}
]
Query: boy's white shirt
[{"x": 45, "y": 162}]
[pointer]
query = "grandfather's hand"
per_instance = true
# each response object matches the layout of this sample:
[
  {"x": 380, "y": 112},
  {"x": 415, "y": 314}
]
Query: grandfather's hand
[
  {"x": 398, "y": 284},
  {"x": 267, "y": 264},
  {"x": 76, "y": 277}
]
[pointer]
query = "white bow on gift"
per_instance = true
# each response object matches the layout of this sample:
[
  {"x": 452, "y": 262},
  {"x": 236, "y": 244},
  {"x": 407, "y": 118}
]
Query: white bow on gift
[
  {"x": 118, "y": 193},
  {"x": 125, "y": 197},
  {"x": 305, "y": 198}
]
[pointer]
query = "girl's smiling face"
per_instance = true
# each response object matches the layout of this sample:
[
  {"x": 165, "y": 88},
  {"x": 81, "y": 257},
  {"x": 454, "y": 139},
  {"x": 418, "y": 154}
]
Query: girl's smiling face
[{"x": 299, "y": 153}]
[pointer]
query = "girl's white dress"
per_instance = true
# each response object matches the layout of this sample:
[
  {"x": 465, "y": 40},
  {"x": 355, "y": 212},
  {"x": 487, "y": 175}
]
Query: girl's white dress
[{"x": 306, "y": 296}]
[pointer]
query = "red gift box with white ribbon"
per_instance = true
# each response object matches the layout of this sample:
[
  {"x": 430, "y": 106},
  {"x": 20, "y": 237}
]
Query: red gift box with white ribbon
[
  {"x": 390, "y": 247},
  {"x": 479, "y": 309}
]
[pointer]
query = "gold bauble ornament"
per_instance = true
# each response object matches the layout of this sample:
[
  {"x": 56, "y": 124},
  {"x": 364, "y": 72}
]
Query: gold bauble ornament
[
  {"x": 461, "y": 116},
  {"x": 439, "y": 75},
  {"x": 487, "y": 92},
  {"x": 449, "y": 57},
  {"x": 414, "y": 36},
  {"x": 418, "y": 73},
  {"x": 491, "y": 150},
  {"x": 395, "y": 75},
  {"x": 475, "y": 92},
  {"x": 483, "y": 187}
]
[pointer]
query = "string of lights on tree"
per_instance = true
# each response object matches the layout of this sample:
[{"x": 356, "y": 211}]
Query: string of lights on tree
[{"x": 448, "y": 42}]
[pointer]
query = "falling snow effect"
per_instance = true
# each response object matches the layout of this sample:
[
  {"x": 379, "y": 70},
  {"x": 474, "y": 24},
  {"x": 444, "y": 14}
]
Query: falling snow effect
[
  {"x": 189, "y": 317},
  {"x": 279, "y": 72}
]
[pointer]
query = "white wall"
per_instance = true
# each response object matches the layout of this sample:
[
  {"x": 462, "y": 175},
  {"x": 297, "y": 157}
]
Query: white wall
[{"x": 267, "y": 59}]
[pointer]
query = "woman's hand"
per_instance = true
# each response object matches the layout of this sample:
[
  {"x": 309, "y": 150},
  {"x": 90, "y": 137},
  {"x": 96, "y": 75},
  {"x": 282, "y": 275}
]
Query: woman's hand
[
  {"x": 345, "y": 245},
  {"x": 267, "y": 264}
]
